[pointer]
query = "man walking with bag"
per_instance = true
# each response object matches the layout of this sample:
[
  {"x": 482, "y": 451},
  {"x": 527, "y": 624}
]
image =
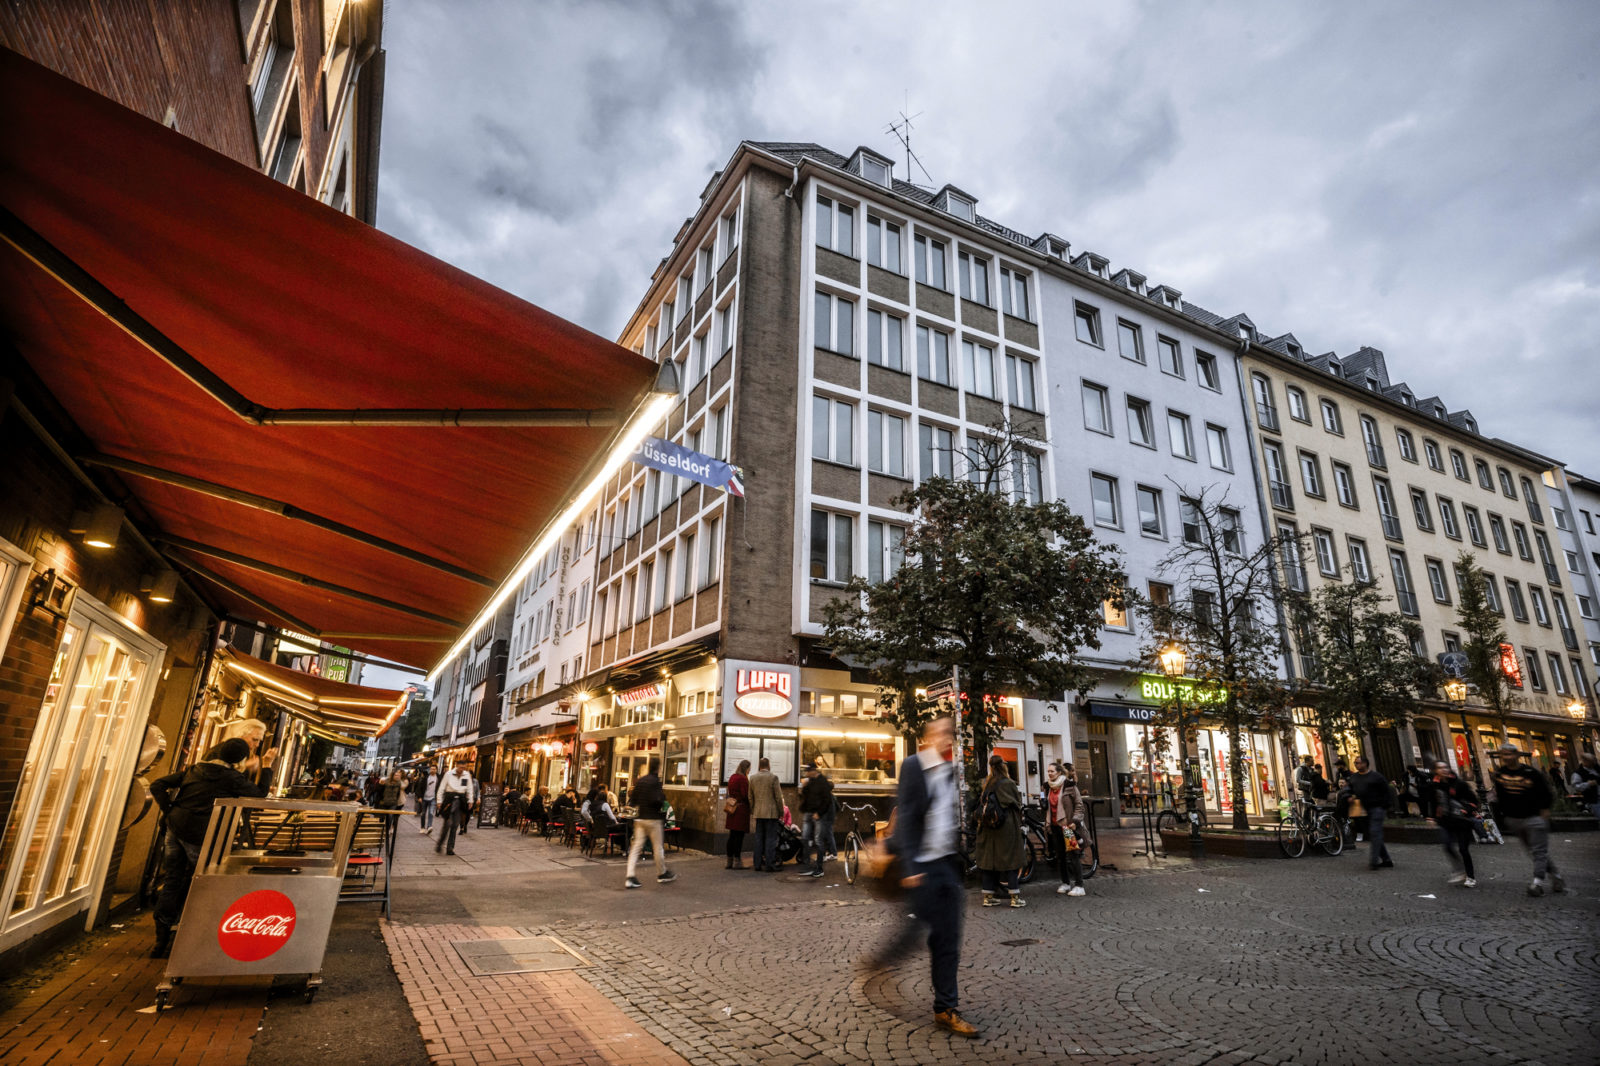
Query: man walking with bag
[
  {"x": 649, "y": 824},
  {"x": 766, "y": 805},
  {"x": 1372, "y": 790},
  {"x": 1523, "y": 797},
  {"x": 457, "y": 793}
]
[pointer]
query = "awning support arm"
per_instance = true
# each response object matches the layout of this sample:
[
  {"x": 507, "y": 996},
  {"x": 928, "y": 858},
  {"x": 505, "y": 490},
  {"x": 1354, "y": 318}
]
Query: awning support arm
[
  {"x": 244, "y": 594},
  {"x": 278, "y": 507},
  {"x": 86, "y": 287},
  {"x": 305, "y": 579}
]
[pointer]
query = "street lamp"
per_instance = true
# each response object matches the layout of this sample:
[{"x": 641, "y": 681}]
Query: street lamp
[
  {"x": 1173, "y": 662},
  {"x": 1455, "y": 690}
]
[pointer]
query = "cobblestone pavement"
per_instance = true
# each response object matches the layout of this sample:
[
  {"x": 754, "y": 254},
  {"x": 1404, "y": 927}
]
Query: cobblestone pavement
[{"x": 1313, "y": 961}]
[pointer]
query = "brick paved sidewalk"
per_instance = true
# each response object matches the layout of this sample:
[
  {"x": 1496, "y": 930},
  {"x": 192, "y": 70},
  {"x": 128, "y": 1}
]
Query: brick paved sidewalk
[
  {"x": 88, "y": 1014},
  {"x": 548, "y": 1018}
]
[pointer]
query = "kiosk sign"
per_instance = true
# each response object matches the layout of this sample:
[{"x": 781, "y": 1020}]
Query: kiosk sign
[{"x": 256, "y": 925}]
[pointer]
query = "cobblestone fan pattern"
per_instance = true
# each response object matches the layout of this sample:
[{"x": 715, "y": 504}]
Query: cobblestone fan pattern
[
  {"x": 1315, "y": 961},
  {"x": 527, "y": 1018},
  {"x": 88, "y": 1014}
]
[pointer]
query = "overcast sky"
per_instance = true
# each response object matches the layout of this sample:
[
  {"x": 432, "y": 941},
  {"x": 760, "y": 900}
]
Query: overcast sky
[{"x": 1423, "y": 178}]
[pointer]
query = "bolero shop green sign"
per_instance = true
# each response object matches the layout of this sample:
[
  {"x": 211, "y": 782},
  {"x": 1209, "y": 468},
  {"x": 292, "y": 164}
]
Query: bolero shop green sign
[{"x": 1159, "y": 689}]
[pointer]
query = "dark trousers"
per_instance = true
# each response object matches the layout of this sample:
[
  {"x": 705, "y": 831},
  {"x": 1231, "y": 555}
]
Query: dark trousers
[
  {"x": 1456, "y": 836},
  {"x": 1376, "y": 852},
  {"x": 766, "y": 846},
  {"x": 451, "y": 815},
  {"x": 994, "y": 879},
  {"x": 177, "y": 864},
  {"x": 1069, "y": 864},
  {"x": 735, "y": 844},
  {"x": 939, "y": 904}
]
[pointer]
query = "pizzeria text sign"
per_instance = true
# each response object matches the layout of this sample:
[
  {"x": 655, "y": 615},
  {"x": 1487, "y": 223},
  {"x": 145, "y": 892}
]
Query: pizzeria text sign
[{"x": 762, "y": 692}]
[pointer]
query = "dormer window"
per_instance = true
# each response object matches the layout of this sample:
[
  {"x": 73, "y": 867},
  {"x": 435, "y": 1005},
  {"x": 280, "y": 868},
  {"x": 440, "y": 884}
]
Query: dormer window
[
  {"x": 874, "y": 171},
  {"x": 960, "y": 207},
  {"x": 1060, "y": 249},
  {"x": 1333, "y": 366},
  {"x": 1294, "y": 350},
  {"x": 1372, "y": 384},
  {"x": 1405, "y": 398},
  {"x": 1438, "y": 410}
]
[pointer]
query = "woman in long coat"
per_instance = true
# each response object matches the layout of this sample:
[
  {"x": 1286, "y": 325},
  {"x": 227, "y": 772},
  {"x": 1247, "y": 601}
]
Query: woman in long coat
[
  {"x": 999, "y": 847},
  {"x": 739, "y": 817}
]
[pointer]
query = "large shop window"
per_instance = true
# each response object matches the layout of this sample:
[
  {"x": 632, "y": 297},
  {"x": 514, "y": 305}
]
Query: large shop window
[
  {"x": 760, "y": 742},
  {"x": 687, "y": 758},
  {"x": 848, "y": 759},
  {"x": 15, "y": 568},
  {"x": 59, "y": 837}
]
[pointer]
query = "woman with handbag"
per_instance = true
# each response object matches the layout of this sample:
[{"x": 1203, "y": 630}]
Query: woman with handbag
[
  {"x": 1000, "y": 850},
  {"x": 737, "y": 809}
]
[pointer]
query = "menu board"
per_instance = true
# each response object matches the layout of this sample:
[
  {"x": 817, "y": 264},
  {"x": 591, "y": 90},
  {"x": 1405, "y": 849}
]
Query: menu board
[{"x": 488, "y": 806}]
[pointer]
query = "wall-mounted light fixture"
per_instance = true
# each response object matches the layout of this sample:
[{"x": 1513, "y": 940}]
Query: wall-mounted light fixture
[
  {"x": 100, "y": 527},
  {"x": 161, "y": 586}
]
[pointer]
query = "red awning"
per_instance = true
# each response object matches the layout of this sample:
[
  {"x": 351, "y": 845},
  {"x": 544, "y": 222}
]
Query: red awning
[
  {"x": 336, "y": 706},
  {"x": 377, "y": 436}
]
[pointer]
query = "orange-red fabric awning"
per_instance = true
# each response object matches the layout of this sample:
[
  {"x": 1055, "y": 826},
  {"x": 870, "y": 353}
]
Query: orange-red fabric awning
[
  {"x": 289, "y": 307},
  {"x": 357, "y": 710}
]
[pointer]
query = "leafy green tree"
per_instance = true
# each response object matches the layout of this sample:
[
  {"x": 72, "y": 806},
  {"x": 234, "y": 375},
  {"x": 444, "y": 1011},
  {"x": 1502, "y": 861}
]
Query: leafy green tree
[
  {"x": 1000, "y": 585},
  {"x": 1362, "y": 660},
  {"x": 414, "y": 725},
  {"x": 1483, "y": 631},
  {"x": 1216, "y": 616}
]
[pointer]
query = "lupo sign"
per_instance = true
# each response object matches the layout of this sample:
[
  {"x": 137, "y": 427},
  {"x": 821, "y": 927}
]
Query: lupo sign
[{"x": 762, "y": 692}]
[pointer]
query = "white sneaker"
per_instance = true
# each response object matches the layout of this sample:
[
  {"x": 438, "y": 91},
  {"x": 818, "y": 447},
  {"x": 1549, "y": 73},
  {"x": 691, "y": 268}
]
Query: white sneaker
[
  {"x": 1063, "y": 890},
  {"x": 1358, "y": 838},
  {"x": 1469, "y": 883},
  {"x": 1457, "y": 877},
  {"x": 1538, "y": 886},
  {"x": 1077, "y": 890}
]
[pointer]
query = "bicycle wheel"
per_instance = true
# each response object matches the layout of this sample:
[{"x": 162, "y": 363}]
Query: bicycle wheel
[
  {"x": 1330, "y": 834},
  {"x": 852, "y": 858},
  {"x": 1167, "y": 822},
  {"x": 1089, "y": 860},
  {"x": 1025, "y": 872},
  {"x": 1291, "y": 838},
  {"x": 1036, "y": 849}
]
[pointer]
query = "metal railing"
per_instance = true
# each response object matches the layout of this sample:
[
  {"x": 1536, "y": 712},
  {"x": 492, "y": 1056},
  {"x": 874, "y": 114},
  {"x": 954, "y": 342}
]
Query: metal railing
[
  {"x": 1391, "y": 526},
  {"x": 1282, "y": 496},
  {"x": 1375, "y": 455},
  {"x": 1267, "y": 416},
  {"x": 1408, "y": 602}
]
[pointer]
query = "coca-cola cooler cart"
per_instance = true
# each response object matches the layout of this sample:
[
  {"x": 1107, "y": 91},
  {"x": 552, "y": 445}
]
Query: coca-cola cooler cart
[{"x": 265, "y": 887}]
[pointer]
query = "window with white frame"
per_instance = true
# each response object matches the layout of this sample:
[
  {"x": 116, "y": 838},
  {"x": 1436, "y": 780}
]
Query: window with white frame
[
  {"x": 646, "y": 573},
  {"x": 1297, "y": 403},
  {"x": 1130, "y": 341},
  {"x": 1096, "y": 408},
  {"x": 886, "y": 443},
  {"x": 1491, "y": 594},
  {"x": 885, "y": 340},
  {"x": 1558, "y": 672},
  {"x": 705, "y": 268},
  {"x": 1020, "y": 373},
  {"x": 833, "y": 430},
  {"x": 1014, "y": 293},
  {"x": 832, "y": 546},
  {"x": 1189, "y": 521},
  {"x": 1217, "y": 447},
  {"x": 1420, "y": 510},
  {"x": 1360, "y": 561},
  {"x": 1149, "y": 502},
  {"x": 977, "y": 364},
  {"x": 1311, "y": 474},
  {"x": 1519, "y": 609},
  {"x": 724, "y": 328},
  {"x": 1430, "y": 451},
  {"x": 835, "y": 323},
  {"x": 717, "y": 441},
  {"x": 1169, "y": 353},
  {"x": 1103, "y": 491},
  {"x": 1294, "y": 565},
  {"x": 931, "y": 258},
  {"x": 729, "y": 236},
  {"x": 1485, "y": 479},
  {"x": 1330, "y": 418},
  {"x": 1388, "y": 513},
  {"x": 1232, "y": 530},
  {"x": 836, "y": 226},
  {"x": 883, "y": 243},
  {"x": 885, "y": 550},
  {"x": 1574, "y": 564},
  {"x": 1180, "y": 435},
  {"x": 938, "y": 451},
  {"x": 1408, "y": 446},
  {"x": 1210, "y": 376},
  {"x": 1027, "y": 476},
  {"x": 1141, "y": 425},
  {"x": 1404, "y": 592},
  {"x": 1534, "y": 675},
  {"x": 974, "y": 277},
  {"x": 1344, "y": 483},
  {"x": 1327, "y": 558},
  {"x": 697, "y": 359},
  {"x": 1437, "y": 581},
  {"x": 664, "y": 575},
  {"x": 1447, "y": 519},
  {"x": 933, "y": 355},
  {"x": 1541, "y": 608},
  {"x": 1086, "y": 321},
  {"x": 1507, "y": 488},
  {"x": 1519, "y": 534},
  {"x": 1497, "y": 528}
]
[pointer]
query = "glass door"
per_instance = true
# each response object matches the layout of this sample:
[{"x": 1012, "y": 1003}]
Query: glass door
[{"x": 60, "y": 834}]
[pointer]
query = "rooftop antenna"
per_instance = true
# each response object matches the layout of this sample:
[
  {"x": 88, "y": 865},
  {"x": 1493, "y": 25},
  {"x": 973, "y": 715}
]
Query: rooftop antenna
[{"x": 902, "y": 132}]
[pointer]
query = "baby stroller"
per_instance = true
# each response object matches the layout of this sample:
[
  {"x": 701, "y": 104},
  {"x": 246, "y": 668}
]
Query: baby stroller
[{"x": 789, "y": 843}]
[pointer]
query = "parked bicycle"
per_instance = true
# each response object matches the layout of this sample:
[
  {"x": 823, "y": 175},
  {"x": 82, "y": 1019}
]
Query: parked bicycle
[
  {"x": 1172, "y": 819},
  {"x": 854, "y": 841},
  {"x": 1307, "y": 824},
  {"x": 1041, "y": 845}
]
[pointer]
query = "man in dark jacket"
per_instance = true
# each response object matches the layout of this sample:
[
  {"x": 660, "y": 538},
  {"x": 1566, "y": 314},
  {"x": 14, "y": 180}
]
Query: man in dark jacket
[
  {"x": 649, "y": 823},
  {"x": 1372, "y": 789},
  {"x": 816, "y": 807},
  {"x": 186, "y": 798},
  {"x": 1523, "y": 797},
  {"x": 926, "y": 840}
]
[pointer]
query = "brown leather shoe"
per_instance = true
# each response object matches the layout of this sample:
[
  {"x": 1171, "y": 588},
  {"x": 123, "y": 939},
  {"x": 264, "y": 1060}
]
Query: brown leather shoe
[{"x": 949, "y": 1019}]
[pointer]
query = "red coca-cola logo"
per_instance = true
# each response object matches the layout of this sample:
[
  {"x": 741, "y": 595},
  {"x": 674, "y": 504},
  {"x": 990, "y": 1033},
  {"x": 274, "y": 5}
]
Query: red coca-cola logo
[{"x": 258, "y": 924}]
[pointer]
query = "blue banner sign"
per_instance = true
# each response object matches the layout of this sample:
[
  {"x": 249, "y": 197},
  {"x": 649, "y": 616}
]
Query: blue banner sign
[
  {"x": 1122, "y": 712},
  {"x": 675, "y": 459}
]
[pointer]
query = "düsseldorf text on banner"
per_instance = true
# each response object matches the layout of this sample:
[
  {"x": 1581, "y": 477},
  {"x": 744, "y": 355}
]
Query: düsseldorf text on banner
[{"x": 672, "y": 458}]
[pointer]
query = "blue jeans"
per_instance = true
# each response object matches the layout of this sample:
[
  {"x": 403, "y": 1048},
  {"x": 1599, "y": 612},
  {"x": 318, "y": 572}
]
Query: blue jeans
[
  {"x": 1376, "y": 852},
  {"x": 818, "y": 832},
  {"x": 765, "y": 850},
  {"x": 425, "y": 813}
]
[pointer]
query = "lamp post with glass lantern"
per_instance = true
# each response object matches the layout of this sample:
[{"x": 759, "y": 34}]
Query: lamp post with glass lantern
[
  {"x": 1173, "y": 663},
  {"x": 1455, "y": 690},
  {"x": 1579, "y": 710}
]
